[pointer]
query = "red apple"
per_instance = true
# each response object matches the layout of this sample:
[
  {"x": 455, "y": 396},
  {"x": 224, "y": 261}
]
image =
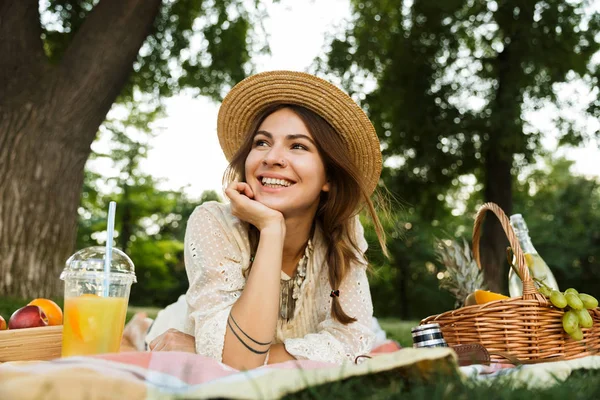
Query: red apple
[
  {"x": 27, "y": 317},
  {"x": 2, "y": 323}
]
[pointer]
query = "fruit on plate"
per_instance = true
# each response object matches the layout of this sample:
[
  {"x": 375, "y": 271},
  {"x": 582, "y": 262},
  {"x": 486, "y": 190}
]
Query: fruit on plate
[
  {"x": 51, "y": 309},
  {"x": 3, "y": 325},
  {"x": 27, "y": 317},
  {"x": 482, "y": 297}
]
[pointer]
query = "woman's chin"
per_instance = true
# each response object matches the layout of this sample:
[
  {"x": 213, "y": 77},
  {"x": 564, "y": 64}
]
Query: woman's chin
[{"x": 274, "y": 204}]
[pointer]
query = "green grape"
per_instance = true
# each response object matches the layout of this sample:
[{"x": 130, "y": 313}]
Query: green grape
[
  {"x": 588, "y": 301},
  {"x": 577, "y": 334},
  {"x": 571, "y": 290},
  {"x": 574, "y": 301},
  {"x": 585, "y": 319},
  {"x": 570, "y": 322},
  {"x": 545, "y": 290},
  {"x": 558, "y": 299}
]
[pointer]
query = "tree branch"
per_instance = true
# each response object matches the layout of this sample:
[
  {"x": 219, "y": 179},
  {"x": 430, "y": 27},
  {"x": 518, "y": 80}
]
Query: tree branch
[
  {"x": 21, "y": 47},
  {"x": 97, "y": 63}
]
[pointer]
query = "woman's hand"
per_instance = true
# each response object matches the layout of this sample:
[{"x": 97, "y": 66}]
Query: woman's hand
[
  {"x": 134, "y": 334},
  {"x": 174, "y": 340},
  {"x": 278, "y": 354},
  {"x": 247, "y": 209}
]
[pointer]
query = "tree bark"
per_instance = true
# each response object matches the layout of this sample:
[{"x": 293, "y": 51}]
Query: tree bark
[
  {"x": 498, "y": 156},
  {"x": 49, "y": 116},
  {"x": 498, "y": 189},
  {"x": 497, "y": 176}
]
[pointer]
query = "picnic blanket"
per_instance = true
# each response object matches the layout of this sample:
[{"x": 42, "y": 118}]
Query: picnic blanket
[
  {"x": 173, "y": 375},
  {"x": 532, "y": 376},
  {"x": 170, "y": 375}
]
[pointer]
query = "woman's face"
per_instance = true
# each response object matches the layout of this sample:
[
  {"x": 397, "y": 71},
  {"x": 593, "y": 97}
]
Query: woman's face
[{"x": 284, "y": 168}]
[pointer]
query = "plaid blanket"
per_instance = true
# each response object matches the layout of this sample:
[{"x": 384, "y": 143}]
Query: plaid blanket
[{"x": 170, "y": 375}]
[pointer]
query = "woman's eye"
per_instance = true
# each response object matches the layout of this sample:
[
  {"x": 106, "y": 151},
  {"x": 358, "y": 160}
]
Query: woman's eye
[
  {"x": 260, "y": 143},
  {"x": 299, "y": 146}
]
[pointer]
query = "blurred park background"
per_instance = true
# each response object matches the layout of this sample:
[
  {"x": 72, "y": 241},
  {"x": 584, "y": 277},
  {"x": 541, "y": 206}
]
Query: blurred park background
[{"x": 473, "y": 101}]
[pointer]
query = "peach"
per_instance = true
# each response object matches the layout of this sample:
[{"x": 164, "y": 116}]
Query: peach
[
  {"x": 51, "y": 309},
  {"x": 2, "y": 323},
  {"x": 27, "y": 317}
]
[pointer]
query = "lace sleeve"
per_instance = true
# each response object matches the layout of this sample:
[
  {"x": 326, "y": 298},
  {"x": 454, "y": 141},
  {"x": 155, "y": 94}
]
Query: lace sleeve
[
  {"x": 214, "y": 259},
  {"x": 334, "y": 341}
]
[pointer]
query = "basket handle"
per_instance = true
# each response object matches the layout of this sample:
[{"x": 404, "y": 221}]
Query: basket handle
[{"x": 529, "y": 289}]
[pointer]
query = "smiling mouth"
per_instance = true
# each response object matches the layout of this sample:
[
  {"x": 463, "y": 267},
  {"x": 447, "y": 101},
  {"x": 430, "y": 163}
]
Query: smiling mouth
[{"x": 274, "y": 182}]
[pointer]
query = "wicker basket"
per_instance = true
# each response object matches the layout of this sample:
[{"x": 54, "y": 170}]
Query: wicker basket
[
  {"x": 44, "y": 343},
  {"x": 527, "y": 328}
]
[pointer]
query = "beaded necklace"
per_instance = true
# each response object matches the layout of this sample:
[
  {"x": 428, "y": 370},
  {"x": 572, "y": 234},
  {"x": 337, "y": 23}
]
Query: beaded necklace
[{"x": 290, "y": 287}]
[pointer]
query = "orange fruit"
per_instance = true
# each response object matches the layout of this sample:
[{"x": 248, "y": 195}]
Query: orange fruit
[
  {"x": 82, "y": 328},
  {"x": 51, "y": 309},
  {"x": 73, "y": 317},
  {"x": 484, "y": 296}
]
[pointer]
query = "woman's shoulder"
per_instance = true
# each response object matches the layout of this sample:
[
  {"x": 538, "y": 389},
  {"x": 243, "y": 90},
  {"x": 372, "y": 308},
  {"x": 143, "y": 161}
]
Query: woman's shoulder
[
  {"x": 214, "y": 209},
  {"x": 214, "y": 238},
  {"x": 217, "y": 217}
]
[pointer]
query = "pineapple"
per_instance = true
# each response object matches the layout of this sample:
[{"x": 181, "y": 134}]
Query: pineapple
[{"x": 462, "y": 276}]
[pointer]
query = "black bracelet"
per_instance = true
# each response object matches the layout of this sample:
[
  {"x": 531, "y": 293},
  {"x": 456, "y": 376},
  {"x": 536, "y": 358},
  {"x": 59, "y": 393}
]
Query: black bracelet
[
  {"x": 244, "y": 343},
  {"x": 245, "y": 334}
]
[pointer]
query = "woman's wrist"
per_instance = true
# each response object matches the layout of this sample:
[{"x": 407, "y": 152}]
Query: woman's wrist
[{"x": 275, "y": 227}]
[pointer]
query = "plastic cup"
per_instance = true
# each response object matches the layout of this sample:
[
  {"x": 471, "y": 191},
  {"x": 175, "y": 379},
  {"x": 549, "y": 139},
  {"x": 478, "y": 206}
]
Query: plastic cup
[{"x": 94, "y": 318}]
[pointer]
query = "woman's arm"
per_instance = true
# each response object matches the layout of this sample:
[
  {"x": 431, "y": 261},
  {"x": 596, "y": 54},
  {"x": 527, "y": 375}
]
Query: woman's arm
[
  {"x": 278, "y": 354},
  {"x": 225, "y": 308},
  {"x": 255, "y": 313}
]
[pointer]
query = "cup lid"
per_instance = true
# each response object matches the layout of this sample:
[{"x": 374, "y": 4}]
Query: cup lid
[{"x": 91, "y": 259}]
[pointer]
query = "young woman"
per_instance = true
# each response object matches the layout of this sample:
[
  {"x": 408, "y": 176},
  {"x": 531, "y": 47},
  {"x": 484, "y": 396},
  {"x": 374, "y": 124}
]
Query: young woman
[{"x": 279, "y": 273}]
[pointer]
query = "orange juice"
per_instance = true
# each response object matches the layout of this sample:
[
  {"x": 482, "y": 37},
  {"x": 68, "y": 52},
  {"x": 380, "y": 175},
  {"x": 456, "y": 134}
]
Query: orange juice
[{"x": 93, "y": 324}]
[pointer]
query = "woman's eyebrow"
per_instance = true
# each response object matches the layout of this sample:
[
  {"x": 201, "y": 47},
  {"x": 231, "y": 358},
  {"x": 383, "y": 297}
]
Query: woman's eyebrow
[
  {"x": 300, "y": 136},
  {"x": 265, "y": 133},
  {"x": 288, "y": 137}
]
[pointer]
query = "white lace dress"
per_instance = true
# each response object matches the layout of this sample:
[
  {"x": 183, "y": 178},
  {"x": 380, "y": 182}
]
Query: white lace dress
[{"x": 217, "y": 251}]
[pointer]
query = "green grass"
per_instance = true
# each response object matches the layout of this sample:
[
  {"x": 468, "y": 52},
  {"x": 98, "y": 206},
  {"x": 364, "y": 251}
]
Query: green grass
[
  {"x": 9, "y": 305},
  {"x": 582, "y": 385},
  {"x": 150, "y": 312},
  {"x": 398, "y": 330}
]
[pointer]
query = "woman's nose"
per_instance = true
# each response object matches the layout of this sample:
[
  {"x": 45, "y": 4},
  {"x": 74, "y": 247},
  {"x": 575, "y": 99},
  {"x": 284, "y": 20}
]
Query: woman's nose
[{"x": 275, "y": 157}]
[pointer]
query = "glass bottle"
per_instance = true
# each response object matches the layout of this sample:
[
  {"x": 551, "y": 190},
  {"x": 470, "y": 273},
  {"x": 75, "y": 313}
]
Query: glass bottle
[{"x": 537, "y": 266}]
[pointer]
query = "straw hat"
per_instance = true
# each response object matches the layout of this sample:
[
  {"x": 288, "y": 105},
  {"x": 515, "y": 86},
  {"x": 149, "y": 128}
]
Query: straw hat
[{"x": 248, "y": 98}]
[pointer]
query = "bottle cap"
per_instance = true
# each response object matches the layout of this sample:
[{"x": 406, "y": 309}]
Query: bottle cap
[{"x": 518, "y": 223}]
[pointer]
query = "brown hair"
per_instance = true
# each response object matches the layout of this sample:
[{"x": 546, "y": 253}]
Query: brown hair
[{"x": 347, "y": 196}]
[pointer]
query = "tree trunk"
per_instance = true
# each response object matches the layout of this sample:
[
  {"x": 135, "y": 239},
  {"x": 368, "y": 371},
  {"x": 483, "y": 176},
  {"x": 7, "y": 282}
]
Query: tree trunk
[
  {"x": 40, "y": 187},
  {"x": 498, "y": 189},
  {"x": 49, "y": 116},
  {"x": 499, "y": 152}
]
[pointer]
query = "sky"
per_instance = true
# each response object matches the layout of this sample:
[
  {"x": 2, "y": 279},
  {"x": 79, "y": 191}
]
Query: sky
[{"x": 186, "y": 152}]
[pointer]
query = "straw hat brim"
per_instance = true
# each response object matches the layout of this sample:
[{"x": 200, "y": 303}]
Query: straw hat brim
[{"x": 250, "y": 97}]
